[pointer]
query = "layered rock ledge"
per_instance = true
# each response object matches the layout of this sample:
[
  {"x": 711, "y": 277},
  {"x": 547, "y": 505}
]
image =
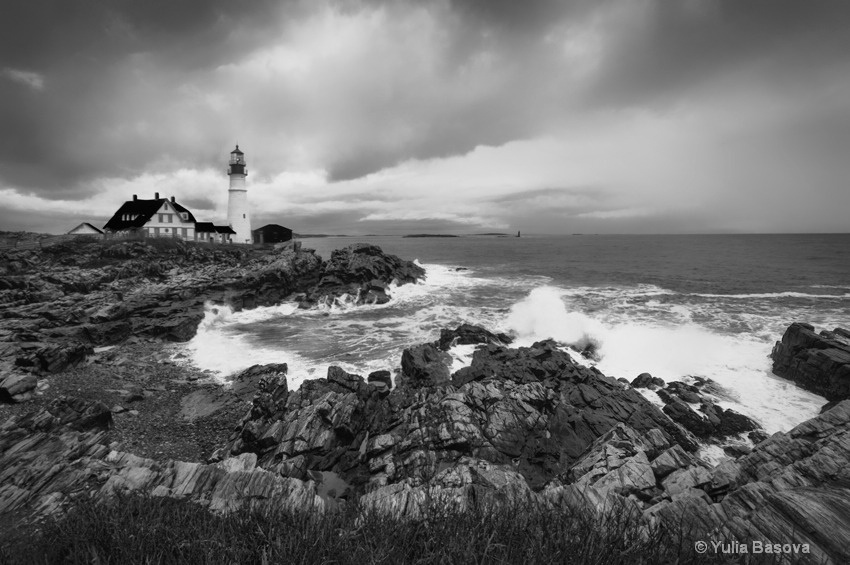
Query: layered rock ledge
[{"x": 819, "y": 362}]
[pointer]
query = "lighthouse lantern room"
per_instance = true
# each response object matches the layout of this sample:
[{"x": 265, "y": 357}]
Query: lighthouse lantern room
[{"x": 237, "y": 205}]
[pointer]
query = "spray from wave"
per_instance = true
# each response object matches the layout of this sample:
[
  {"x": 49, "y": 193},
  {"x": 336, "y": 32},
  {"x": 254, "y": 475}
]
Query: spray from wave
[{"x": 675, "y": 351}]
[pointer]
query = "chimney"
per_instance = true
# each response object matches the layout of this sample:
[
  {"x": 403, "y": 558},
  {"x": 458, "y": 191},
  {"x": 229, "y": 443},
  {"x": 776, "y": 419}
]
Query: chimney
[
  {"x": 172, "y": 199},
  {"x": 135, "y": 197},
  {"x": 156, "y": 196}
]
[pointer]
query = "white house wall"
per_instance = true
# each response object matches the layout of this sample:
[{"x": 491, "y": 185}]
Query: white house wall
[{"x": 168, "y": 222}]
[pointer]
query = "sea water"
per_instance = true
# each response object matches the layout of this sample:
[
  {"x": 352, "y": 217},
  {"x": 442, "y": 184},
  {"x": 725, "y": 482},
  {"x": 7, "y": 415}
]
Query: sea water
[{"x": 676, "y": 306}]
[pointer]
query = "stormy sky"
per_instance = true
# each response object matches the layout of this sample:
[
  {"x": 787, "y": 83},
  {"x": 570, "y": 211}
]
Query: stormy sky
[{"x": 457, "y": 116}]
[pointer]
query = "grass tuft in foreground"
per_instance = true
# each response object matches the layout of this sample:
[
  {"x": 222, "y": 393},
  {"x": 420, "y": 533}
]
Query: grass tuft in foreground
[{"x": 135, "y": 529}]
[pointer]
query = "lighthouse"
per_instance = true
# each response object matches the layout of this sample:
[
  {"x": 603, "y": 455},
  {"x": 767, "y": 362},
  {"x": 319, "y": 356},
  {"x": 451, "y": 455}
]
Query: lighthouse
[{"x": 237, "y": 203}]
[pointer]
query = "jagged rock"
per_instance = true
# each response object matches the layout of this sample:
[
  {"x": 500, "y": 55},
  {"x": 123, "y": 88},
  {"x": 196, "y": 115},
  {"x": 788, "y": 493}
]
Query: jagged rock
[
  {"x": 685, "y": 479},
  {"x": 66, "y": 300},
  {"x": 672, "y": 459},
  {"x": 618, "y": 462},
  {"x": 470, "y": 483},
  {"x": 424, "y": 366},
  {"x": 686, "y": 392},
  {"x": 643, "y": 380},
  {"x": 728, "y": 422},
  {"x": 51, "y": 357},
  {"x": 382, "y": 380},
  {"x": 532, "y": 407},
  {"x": 108, "y": 333},
  {"x": 817, "y": 362},
  {"x": 363, "y": 271},
  {"x": 528, "y": 419},
  {"x": 17, "y": 387},
  {"x": 468, "y": 334},
  {"x": 692, "y": 421}
]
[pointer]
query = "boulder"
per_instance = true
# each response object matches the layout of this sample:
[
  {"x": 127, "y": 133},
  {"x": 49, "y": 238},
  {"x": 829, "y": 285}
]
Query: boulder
[
  {"x": 688, "y": 393},
  {"x": 643, "y": 380},
  {"x": 424, "y": 366},
  {"x": 17, "y": 387},
  {"x": 692, "y": 421},
  {"x": 382, "y": 380},
  {"x": 817, "y": 362}
]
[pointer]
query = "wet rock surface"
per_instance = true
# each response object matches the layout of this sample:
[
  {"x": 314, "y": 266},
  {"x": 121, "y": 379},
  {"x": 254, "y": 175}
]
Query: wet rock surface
[
  {"x": 532, "y": 409},
  {"x": 819, "y": 362},
  {"x": 524, "y": 424},
  {"x": 63, "y": 301},
  {"x": 362, "y": 272}
]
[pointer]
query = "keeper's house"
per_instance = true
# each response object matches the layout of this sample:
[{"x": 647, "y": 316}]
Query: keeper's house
[{"x": 163, "y": 217}]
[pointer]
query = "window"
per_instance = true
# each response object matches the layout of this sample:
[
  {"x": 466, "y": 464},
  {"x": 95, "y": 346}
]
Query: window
[
  {"x": 184, "y": 216},
  {"x": 165, "y": 230},
  {"x": 160, "y": 218},
  {"x": 243, "y": 216}
]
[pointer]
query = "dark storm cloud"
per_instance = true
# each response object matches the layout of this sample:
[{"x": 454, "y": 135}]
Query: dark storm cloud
[
  {"x": 95, "y": 92},
  {"x": 107, "y": 65},
  {"x": 663, "y": 50}
]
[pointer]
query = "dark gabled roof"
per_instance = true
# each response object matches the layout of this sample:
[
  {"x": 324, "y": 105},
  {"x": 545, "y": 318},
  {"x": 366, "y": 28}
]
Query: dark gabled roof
[
  {"x": 208, "y": 227},
  {"x": 144, "y": 209},
  {"x": 270, "y": 227},
  {"x": 180, "y": 208}
]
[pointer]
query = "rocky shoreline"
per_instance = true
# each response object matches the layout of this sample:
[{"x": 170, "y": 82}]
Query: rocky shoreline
[{"x": 519, "y": 425}]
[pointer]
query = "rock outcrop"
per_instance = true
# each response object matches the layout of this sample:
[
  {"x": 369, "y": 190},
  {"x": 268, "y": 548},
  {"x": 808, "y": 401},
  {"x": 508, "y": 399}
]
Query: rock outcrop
[
  {"x": 362, "y": 272},
  {"x": 527, "y": 425},
  {"x": 61, "y": 302},
  {"x": 48, "y": 458},
  {"x": 531, "y": 409},
  {"x": 819, "y": 362}
]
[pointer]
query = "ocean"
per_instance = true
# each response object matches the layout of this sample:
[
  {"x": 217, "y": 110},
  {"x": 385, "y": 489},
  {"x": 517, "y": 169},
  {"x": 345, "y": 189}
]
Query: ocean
[{"x": 676, "y": 306}]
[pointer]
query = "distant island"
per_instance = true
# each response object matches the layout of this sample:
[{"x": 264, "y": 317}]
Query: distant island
[
  {"x": 490, "y": 234},
  {"x": 430, "y": 235}
]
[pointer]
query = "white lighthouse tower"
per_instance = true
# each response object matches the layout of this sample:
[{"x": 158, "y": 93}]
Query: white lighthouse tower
[{"x": 237, "y": 204}]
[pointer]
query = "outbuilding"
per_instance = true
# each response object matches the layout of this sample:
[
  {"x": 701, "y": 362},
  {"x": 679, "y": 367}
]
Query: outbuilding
[
  {"x": 85, "y": 229},
  {"x": 272, "y": 233}
]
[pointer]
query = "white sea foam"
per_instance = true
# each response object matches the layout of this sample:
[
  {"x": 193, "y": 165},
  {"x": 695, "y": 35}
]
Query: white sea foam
[
  {"x": 628, "y": 348},
  {"x": 461, "y": 356},
  {"x": 366, "y": 337},
  {"x": 635, "y": 329},
  {"x": 222, "y": 352},
  {"x": 787, "y": 294},
  {"x": 542, "y": 315}
]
